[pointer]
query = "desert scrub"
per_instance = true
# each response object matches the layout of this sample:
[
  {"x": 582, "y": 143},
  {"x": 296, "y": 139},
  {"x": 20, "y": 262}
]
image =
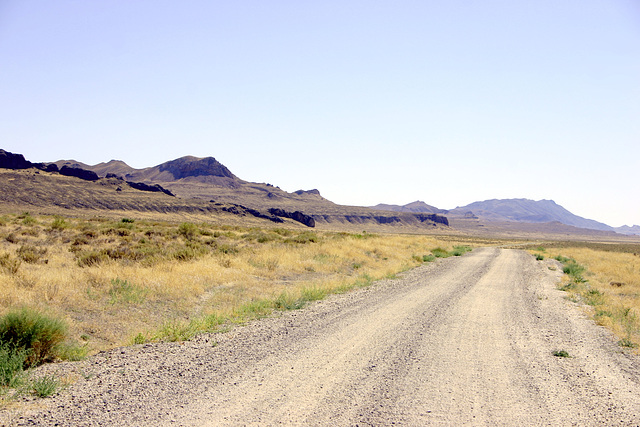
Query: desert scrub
[
  {"x": 34, "y": 333},
  {"x": 460, "y": 250},
  {"x": 561, "y": 353},
  {"x": 27, "y": 219},
  {"x": 58, "y": 223},
  {"x": 605, "y": 278},
  {"x": 45, "y": 386},
  {"x": 9, "y": 264},
  {"x": 188, "y": 230},
  {"x": 440, "y": 252},
  {"x": 11, "y": 366},
  {"x": 119, "y": 282},
  {"x": 31, "y": 254}
]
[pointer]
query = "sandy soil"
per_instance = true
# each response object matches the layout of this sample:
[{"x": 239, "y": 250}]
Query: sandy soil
[{"x": 466, "y": 340}]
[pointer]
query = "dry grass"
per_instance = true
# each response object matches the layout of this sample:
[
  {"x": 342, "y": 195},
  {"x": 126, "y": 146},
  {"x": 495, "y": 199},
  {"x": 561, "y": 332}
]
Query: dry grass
[
  {"x": 610, "y": 286},
  {"x": 123, "y": 281}
]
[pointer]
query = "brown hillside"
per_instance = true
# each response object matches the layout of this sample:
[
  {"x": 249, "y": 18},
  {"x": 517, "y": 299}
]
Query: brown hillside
[{"x": 43, "y": 192}]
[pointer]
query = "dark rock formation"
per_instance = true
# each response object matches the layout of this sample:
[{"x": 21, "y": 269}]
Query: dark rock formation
[
  {"x": 242, "y": 210},
  {"x": 438, "y": 219},
  {"x": 79, "y": 173},
  {"x": 259, "y": 214},
  {"x": 155, "y": 188},
  {"x": 296, "y": 216},
  {"x": 13, "y": 161},
  {"x": 386, "y": 219},
  {"x": 193, "y": 166},
  {"x": 51, "y": 167}
]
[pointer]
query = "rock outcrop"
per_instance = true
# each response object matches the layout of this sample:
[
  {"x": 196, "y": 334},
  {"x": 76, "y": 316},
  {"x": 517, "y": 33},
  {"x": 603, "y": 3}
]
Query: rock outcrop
[
  {"x": 296, "y": 216},
  {"x": 438, "y": 219},
  {"x": 17, "y": 161},
  {"x": 192, "y": 167},
  {"x": 79, "y": 173},
  {"x": 13, "y": 161},
  {"x": 155, "y": 188}
]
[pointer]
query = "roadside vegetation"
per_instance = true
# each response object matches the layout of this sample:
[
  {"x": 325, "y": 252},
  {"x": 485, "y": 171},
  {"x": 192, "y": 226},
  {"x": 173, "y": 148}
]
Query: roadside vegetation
[
  {"x": 128, "y": 281},
  {"x": 29, "y": 338},
  {"x": 606, "y": 278}
]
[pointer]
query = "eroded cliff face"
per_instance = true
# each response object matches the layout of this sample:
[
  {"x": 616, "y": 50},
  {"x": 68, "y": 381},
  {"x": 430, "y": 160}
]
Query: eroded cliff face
[
  {"x": 17, "y": 161},
  {"x": 403, "y": 219}
]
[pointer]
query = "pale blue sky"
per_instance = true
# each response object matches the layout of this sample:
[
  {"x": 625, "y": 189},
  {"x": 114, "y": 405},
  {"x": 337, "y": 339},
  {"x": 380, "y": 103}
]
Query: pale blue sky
[{"x": 448, "y": 102}]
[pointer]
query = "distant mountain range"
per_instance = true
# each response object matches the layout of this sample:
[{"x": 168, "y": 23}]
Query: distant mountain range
[
  {"x": 515, "y": 210},
  {"x": 179, "y": 176},
  {"x": 206, "y": 179}
]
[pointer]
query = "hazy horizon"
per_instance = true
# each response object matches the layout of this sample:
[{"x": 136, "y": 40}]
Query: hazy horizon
[{"x": 369, "y": 102}]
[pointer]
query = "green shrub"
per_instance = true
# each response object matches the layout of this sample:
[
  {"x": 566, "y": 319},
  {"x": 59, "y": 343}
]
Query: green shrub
[
  {"x": 561, "y": 353},
  {"x": 626, "y": 342},
  {"x": 27, "y": 219},
  {"x": 58, "y": 223},
  {"x": 33, "y": 332},
  {"x": 46, "y": 386},
  {"x": 574, "y": 270},
  {"x": 460, "y": 250},
  {"x": 286, "y": 301},
  {"x": 11, "y": 365},
  {"x": 539, "y": 257},
  {"x": 127, "y": 220},
  {"x": 140, "y": 338},
  {"x": 440, "y": 253},
  {"x": 188, "y": 230},
  {"x": 428, "y": 258}
]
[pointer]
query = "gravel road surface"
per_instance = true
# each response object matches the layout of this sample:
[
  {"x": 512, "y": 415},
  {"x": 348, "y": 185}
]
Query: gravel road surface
[{"x": 463, "y": 341}]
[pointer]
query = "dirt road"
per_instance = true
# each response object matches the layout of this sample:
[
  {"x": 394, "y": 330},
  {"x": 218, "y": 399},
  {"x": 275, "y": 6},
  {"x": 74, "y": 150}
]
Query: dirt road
[{"x": 466, "y": 340}]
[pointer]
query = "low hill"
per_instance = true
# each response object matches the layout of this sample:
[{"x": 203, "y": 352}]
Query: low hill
[{"x": 417, "y": 206}]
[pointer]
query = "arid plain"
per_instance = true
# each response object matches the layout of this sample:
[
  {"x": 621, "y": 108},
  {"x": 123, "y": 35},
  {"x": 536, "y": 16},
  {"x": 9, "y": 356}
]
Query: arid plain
[{"x": 124, "y": 267}]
